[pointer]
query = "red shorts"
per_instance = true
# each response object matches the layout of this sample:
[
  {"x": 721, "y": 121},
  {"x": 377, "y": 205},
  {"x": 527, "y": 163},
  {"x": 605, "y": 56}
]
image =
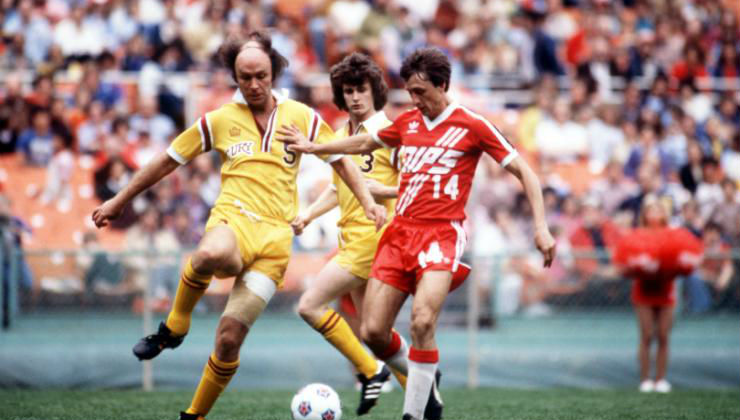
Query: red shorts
[
  {"x": 653, "y": 291},
  {"x": 409, "y": 247}
]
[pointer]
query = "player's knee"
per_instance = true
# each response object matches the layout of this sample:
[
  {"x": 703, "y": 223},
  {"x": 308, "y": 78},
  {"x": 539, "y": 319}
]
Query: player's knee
[
  {"x": 663, "y": 339},
  {"x": 646, "y": 336},
  {"x": 209, "y": 259},
  {"x": 422, "y": 324},
  {"x": 308, "y": 310},
  {"x": 374, "y": 334},
  {"x": 228, "y": 344}
]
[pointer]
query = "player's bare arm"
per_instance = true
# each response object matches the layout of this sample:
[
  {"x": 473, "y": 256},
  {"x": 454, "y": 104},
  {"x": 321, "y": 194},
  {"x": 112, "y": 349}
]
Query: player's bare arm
[
  {"x": 297, "y": 142},
  {"x": 381, "y": 191},
  {"x": 351, "y": 175},
  {"x": 326, "y": 201},
  {"x": 147, "y": 176},
  {"x": 542, "y": 237}
]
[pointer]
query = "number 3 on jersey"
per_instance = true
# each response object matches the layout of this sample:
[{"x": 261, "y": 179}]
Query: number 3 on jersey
[
  {"x": 450, "y": 189},
  {"x": 433, "y": 255}
]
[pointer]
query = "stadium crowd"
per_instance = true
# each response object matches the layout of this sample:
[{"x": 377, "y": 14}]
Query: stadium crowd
[{"x": 628, "y": 98}]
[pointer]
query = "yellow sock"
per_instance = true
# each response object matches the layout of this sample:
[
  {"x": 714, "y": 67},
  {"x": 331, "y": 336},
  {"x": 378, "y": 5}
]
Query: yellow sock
[
  {"x": 216, "y": 375},
  {"x": 337, "y": 332},
  {"x": 192, "y": 286},
  {"x": 400, "y": 377}
]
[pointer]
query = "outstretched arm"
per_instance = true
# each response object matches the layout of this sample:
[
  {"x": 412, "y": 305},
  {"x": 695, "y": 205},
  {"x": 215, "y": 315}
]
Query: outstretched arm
[
  {"x": 147, "y": 176},
  {"x": 325, "y": 202},
  {"x": 351, "y": 175},
  {"x": 542, "y": 237},
  {"x": 297, "y": 142}
]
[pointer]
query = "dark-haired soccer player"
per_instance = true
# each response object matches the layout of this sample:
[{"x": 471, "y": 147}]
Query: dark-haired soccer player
[
  {"x": 248, "y": 233},
  {"x": 419, "y": 252},
  {"x": 359, "y": 89}
]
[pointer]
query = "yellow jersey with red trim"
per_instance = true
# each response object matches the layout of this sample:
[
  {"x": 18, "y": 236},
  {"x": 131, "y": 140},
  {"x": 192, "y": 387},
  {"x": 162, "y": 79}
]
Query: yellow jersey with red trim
[
  {"x": 258, "y": 173},
  {"x": 380, "y": 165}
]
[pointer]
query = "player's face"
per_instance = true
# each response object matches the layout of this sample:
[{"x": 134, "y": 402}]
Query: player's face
[
  {"x": 429, "y": 99},
  {"x": 254, "y": 76},
  {"x": 359, "y": 100}
]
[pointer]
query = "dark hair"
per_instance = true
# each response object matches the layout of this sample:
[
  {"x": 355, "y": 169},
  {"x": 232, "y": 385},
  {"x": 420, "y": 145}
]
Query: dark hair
[
  {"x": 354, "y": 70},
  {"x": 230, "y": 49},
  {"x": 431, "y": 62}
]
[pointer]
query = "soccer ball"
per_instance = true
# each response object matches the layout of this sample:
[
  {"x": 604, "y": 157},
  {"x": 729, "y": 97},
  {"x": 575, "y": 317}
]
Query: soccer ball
[{"x": 316, "y": 402}]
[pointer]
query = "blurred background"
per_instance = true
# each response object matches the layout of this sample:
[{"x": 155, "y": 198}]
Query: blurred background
[{"x": 609, "y": 100}]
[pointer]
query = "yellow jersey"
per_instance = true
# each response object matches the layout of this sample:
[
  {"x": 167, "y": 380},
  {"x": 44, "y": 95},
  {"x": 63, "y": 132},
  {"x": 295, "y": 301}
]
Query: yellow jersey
[
  {"x": 381, "y": 165},
  {"x": 258, "y": 173}
]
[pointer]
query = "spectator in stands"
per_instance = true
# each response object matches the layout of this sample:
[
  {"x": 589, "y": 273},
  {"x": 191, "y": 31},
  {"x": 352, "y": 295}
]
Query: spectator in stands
[
  {"x": 612, "y": 188},
  {"x": 724, "y": 214},
  {"x": 648, "y": 182},
  {"x": 716, "y": 269},
  {"x": 32, "y": 27},
  {"x": 606, "y": 140},
  {"x": 185, "y": 229},
  {"x": 36, "y": 142},
  {"x": 647, "y": 149},
  {"x": 12, "y": 229},
  {"x": 559, "y": 139},
  {"x": 190, "y": 198},
  {"x": 152, "y": 256},
  {"x": 709, "y": 191},
  {"x": 731, "y": 158},
  {"x": 596, "y": 233},
  {"x": 57, "y": 187},
  {"x": 93, "y": 132},
  {"x": 101, "y": 271},
  {"x": 149, "y": 119},
  {"x": 110, "y": 178},
  {"x": 13, "y": 113},
  {"x": 80, "y": 36},
  {"x": 691, "y": 173}
]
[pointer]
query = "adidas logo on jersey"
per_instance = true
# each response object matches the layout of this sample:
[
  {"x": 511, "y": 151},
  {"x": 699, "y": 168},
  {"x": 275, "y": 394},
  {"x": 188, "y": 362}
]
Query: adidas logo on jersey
[
  {"x": 243, "y": 148},
  {"x": 413, "y": 127}
]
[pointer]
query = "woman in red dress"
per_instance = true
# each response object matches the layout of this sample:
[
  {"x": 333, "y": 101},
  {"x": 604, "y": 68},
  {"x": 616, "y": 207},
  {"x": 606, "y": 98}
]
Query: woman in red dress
[{"x": 653, "y": 255}]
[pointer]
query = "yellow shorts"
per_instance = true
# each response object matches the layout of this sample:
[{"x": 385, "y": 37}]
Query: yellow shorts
[
  {"x": 357, "y": 246},
  {"x": 264, "y": 243}
]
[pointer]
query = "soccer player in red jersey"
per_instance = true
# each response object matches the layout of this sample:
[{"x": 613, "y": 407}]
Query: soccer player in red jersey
[
  {"x": 441, "y": 142},
  {"x": 653, "y": 255}
]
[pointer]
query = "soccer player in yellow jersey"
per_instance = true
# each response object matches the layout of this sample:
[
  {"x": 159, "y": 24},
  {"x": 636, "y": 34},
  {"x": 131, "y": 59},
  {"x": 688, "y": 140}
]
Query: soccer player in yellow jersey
[
  {"x": 358, "y": 88},
  {"x": 248, "y": 233}
]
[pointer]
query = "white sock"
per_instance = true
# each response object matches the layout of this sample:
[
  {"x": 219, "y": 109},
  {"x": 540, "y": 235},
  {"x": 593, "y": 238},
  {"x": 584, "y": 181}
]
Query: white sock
[
  {"x": 400, "y": 360},
  {"x": 418, "y": 386}
]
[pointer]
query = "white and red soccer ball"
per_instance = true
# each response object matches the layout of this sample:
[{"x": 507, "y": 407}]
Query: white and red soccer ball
[{"x": 316, "y": 402}]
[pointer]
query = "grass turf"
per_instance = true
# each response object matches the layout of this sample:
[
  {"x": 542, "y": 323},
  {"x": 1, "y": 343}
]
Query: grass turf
[{"x": 487, "y": 403}]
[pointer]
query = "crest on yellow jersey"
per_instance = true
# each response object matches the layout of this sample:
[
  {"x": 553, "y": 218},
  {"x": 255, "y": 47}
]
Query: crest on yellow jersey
[{"x": 234, "y": 132}]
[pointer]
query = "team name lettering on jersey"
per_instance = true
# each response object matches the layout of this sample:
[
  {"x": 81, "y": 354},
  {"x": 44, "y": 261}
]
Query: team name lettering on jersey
[
  {"x": 442, "y": 159},
  {"x": 243, "y": 148}
]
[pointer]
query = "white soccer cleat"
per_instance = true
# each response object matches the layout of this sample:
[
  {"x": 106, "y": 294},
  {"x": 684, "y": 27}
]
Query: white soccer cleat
[
  {"x": 663, "y": 386},
  {"x": 647, "y": 386}
]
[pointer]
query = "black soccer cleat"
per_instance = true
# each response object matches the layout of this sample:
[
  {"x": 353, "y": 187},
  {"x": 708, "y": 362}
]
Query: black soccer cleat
[
  {"x": 150, "y": 346},
  {"x": 408, "y": 417},
  {"x": 188, "y": 416},
  {"x": 371, "y": 389},
  {"x": 433, "y": 410}
]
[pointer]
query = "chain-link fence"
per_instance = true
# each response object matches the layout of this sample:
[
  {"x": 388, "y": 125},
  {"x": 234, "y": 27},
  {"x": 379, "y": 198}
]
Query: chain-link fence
[{"x": 114, "y": 297}]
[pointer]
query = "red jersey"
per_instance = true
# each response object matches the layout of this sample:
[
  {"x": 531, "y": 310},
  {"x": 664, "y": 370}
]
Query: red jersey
[{"x": 439, "y": 159}]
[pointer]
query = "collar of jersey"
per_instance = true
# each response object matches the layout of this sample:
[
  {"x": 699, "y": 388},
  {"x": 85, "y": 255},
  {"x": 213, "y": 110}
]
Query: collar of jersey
[
  {"x": 431, "y": 124},
  {"x": 280, "y": 96},
  {"x": 375, "y": 123}
]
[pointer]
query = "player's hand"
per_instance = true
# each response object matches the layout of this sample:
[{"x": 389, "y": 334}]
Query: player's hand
[
  {"x": 377, "y": 214},
  {"x": 294, "y": 139},
  {"x": 545, "y": 244},
  {"x": 107, "y": 211},
  {"x": 300, "y": 222}
]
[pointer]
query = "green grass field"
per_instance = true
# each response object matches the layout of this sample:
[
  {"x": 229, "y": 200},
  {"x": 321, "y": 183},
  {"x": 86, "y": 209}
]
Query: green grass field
[{"x": 490, "y": 403}]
